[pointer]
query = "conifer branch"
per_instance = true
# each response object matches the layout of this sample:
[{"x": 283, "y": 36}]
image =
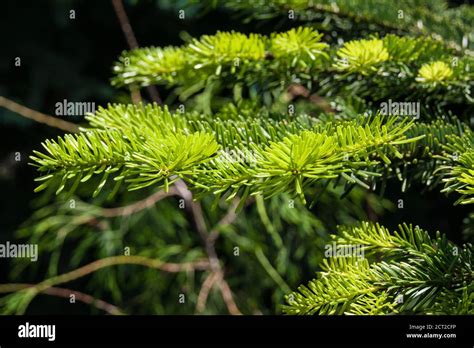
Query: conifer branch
[
  {"x": 417, "y": 18},
  {"x": 418, "y": 274},
  {"x": 392, "y": 66},
  {"x": 257, "y": 147},
  {"x": 166, "y": 148}
]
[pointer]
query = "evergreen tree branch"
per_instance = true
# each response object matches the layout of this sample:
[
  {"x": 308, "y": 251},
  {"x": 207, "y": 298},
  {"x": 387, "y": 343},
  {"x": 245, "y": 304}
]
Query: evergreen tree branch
[
  {"x": 420, "y": 69},
  {"x": 417, "y": 18},
  {"x": 259, "y": 147},
  {"x": 418, "y": 274},
  {"x": 164, "y": 149},
  {"x": 223, "y": 54}
]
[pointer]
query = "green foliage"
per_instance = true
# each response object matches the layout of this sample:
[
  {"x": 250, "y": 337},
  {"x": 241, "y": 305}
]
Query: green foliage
[
  {"x": 414, "y": 17},
  {"x": 301, "y": 46},
  {"x": 155, "y": 147},
  {"x": 406, "y": 272},
  {"x": 289, "y": 114},
  {"x": 420, "y": 69},
  {"x": 435, "y": 72},
  {"x": 402, "y": 68},
  {"x": 86, "y": 154},
  {"x": 458, "y": 166},
  {"x": 361, "y": 55},
  {"x": 144, "y": 146},
  {"x": 164, "y": 231},
  {"x": 425, "y": 161},
  {"x": 224, "y": 55}
]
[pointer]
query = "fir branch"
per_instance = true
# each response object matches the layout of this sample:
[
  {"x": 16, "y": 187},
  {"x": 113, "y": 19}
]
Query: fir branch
[
  {"x": 166, "y": 147},
  {"x": 457, "y": 165},
  {"x": 419, "y": 18},
  {"x": 392, "y": 66},
  {"x": 224, "y": 55},
  {"x": 148, "y": 145},
  {"x": 416, "y": 275}
]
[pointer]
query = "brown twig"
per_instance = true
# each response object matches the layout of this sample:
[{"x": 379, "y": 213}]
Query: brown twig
[
  {"x": 135, "y": 207},
  {"x": 228, "y": 218},
  {"x": 118, "y": 260},
  {"x": 198, "y": 216},
  {"x": 133, "y": 44},
  {"x": 125, "y": 24},
  {"x": 66, "y": 293},
  {"x": 38, "y": 116},
  {"x": 206, "y": 287},
  {"x": 135, "y": 95},
  {"x": 216, "y": 275},
  {"x": 138, "y": 206},
  {"x": 227, "y": 296},
  {"x": 85, "y": 298},
  {"x": 296, "y": 90}
]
